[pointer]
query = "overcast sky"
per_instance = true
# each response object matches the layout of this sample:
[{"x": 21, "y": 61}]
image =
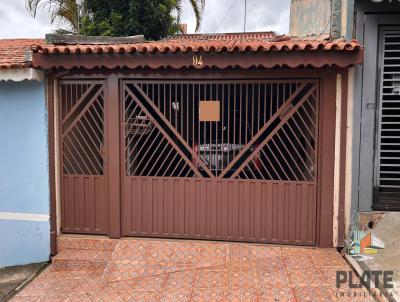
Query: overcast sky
[{"x": 219, "y": 16}]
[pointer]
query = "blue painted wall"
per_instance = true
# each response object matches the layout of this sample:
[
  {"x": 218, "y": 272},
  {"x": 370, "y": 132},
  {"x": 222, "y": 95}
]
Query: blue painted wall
[{"x": 24, "y": 180}]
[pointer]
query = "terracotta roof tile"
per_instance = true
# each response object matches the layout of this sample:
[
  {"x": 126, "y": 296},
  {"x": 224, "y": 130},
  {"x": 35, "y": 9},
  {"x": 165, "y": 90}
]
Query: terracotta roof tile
[
  {"x": 248, "y": 42},
  {"x": 13, "y": 52}
]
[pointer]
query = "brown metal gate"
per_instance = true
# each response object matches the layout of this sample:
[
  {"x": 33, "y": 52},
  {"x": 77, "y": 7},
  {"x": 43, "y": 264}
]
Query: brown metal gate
[
  {"x": 226, "y": 159},
  {"x": 84, "y": 202}
]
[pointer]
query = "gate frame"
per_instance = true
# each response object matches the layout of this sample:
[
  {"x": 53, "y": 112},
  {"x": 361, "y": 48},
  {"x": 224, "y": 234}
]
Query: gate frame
[{"x": 326, "y": 136}]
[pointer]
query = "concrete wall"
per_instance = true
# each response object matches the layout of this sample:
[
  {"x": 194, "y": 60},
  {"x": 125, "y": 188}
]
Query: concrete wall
[
  {"x": 24, "y": 183},
  {"x": 365, "y": 28},
  {"x": 309, "y": 17}
]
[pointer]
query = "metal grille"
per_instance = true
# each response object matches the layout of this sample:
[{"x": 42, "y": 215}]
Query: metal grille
[
  {"x": 266, "y": 129},
  {"x": 388, "y": 155},
  {"x": 149, "y": 150},
  {"x": 289, "y": 150},
  {"x": 82, "y": 112}
]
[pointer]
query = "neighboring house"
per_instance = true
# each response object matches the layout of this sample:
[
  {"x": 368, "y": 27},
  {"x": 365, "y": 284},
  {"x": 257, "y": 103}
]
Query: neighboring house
[
  {"x": 373, "y": 139},
  {"x": 24, "y": 177}
]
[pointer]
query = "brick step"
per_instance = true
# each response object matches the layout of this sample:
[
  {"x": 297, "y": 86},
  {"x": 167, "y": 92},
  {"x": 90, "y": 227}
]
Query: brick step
[
  {"x": 81, "y": 260},
  {"x": 103, "y": 244}
]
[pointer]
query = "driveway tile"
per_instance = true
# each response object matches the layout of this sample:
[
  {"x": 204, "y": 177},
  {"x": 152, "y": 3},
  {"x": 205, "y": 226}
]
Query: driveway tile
[
  {"x": 314, "y": 294},
  {"x": 307, "y": 276},
  {"x": 298, "y": 261},
  {"x": 168, "y": 270},
  {"x": 327, "y": 257}
]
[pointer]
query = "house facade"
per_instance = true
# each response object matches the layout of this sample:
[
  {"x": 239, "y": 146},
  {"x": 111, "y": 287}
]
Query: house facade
[
  {"x": 24, "y": 185},
  {"x": 235, "y": 137},
  {"x": 373, "y": 141},
  {"x": 224, "y": 137}
]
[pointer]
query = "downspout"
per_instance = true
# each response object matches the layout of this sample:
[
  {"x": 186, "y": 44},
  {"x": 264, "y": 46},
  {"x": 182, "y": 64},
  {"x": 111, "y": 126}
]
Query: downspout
[{"x": 336, "y": 19}]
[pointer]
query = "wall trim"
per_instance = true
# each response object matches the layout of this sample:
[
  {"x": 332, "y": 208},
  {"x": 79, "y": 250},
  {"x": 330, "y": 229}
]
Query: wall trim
[
  {"x": 21, "y": 74},
  {"x": 24, "y": 216},
  {"x": 336, "y": 182}
]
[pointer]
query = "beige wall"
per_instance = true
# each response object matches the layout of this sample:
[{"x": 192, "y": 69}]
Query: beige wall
[{"x": 309, "y": 17}]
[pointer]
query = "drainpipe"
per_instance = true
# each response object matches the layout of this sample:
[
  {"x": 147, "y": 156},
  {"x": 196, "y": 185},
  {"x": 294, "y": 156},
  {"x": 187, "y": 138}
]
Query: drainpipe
[{"x": 336, "y": 18}]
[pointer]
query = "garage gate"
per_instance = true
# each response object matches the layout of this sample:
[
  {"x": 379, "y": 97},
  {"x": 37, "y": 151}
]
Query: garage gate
[{"x": 200, "y": 159}]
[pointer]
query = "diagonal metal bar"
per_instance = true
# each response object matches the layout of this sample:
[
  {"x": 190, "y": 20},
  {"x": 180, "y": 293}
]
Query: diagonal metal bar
[
  {"x": 170, "y": 163},
  {"x": 172, "y": 128},
  {"x": 273, "y": 118},
  {"x": 297, "y": 151},
  {"x": 265, "y": 168},
  {"x": 89, "y": 126},
  {"x": 310, "y": 132},
  {"x": 84, "y": 156},
  {"x": 162, "y": 117},
  {"x": 80, "y": 124},
  {"x": 71, "y": 153},
  {"x": 308, "y": 115},
  {"x": 141, "y": 147},
  {"x": 83, "y": 111},
  {"x": 301, "y": 131},
  {"x": 155, "y": 161},
  {"x": 164, "y": 160},
  {"x": 272, "y": 134},
  {"x": 282, "y": 156},
  {"x": 277, "y": 160},
  {"x": 88, "y": 146},
  {"x": 291, "y": 156},
  {"x": 145, "y": 155},
  {"x": 270, "y": 164},
  {"x": 79, "y": 102},
  {"x": 158, "y": 125}
]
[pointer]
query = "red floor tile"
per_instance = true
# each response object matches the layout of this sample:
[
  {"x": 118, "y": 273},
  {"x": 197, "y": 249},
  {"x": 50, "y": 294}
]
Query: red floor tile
[{"x": 168, "y": 270}]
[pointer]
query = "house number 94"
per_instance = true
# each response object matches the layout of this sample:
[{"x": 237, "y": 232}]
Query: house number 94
[{"x": 198, "y": 61}]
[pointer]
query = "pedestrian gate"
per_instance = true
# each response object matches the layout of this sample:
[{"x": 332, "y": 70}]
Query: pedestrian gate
[{"x": 221, "y": 159}]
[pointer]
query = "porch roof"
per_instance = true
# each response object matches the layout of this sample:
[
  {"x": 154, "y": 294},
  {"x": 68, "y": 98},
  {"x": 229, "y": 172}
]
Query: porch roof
[{"x": 243, "y": 50}]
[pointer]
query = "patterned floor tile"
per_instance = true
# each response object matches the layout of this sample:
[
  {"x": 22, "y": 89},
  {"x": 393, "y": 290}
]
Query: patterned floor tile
[
  {"x": 85, "y": 244},
  {"x": 306, "y": 276},
  {"x": 314, "y": 294},
  {"x": 211, "y": 279},
  {"x": 287, "y": 251},
  {"x": 327, "y": 257},
  {"x": 298, "y": 261},
  {"x": 143, "y": 297},
  {"x": 329, "y": 273},
  {"x": 168, "y": 270},
  {"x": 211, "y": 295},
  {"x": 132, "y": 259},
  {"x": 179, "y": 286},
  {"x": 243, "y": 294},
  {"x": 148, "y": 284}
]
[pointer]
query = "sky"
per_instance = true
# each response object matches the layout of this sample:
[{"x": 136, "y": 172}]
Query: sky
[{"x": 219, "y": 16}]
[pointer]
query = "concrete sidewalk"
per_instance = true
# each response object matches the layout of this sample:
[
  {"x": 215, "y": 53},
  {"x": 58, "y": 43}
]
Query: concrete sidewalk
[
  {"x": 167, "y": 270},
  {"x": 385, "y": 226},
  {"x": 14, "y": 276}
]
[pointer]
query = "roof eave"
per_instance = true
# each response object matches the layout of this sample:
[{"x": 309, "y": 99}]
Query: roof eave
[
  {"x": 244, "y": 60},
  {"x": 21, "y": 74}
]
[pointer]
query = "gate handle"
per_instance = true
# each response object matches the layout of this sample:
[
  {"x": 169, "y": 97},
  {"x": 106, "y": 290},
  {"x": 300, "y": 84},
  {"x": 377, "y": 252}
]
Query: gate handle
[{"x": 102, "y": 150}]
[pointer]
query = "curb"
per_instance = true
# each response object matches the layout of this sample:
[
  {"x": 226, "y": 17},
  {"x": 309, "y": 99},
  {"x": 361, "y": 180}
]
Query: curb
[
  {"x": 28, "y": 280},
  {"x": 375, "y": 291}
]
